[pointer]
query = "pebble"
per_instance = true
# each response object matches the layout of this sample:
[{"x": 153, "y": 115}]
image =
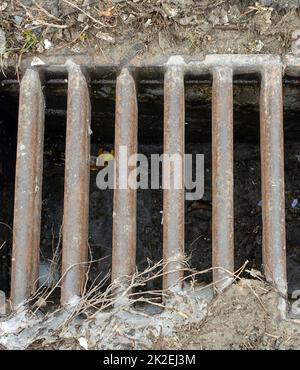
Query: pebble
[{"x": 18, "y": 20}]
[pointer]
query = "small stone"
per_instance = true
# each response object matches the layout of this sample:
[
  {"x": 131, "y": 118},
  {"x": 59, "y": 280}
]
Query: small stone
[
  {"x": 124, "y": 16},
  {"x": 185, "y": 21},
  {"x": 214, "y": 20},
  {"x": 3, "y": 6},
  {"x": 18, "y": 20},
  {"x": 47, "y": 44},
  {"x": 81, "y": 18},
  {"x": 224, "y": 17},
  {"x": 40, "y": 48},
  {"x": 148, "y": 23},
  {"x": 258, "y": 46},
  {"x": 170, "y": 12},
  {"x": 129, "y": 19}
]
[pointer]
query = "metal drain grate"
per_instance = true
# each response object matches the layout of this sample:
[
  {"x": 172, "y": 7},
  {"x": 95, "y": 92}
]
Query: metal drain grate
[{"x": 27, "y": 214}]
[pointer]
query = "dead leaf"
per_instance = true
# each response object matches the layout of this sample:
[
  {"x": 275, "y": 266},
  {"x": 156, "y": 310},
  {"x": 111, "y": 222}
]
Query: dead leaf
[{"x": 107, "y": 13}]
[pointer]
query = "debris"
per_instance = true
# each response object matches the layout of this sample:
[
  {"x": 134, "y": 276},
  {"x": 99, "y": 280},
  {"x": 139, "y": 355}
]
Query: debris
[
  {"x": 37, "y": 62},
  {"x": 214, "y": 20},
  {"x": 162, "y": 217},
  {"x": 18, "y": 20},
  {"x": 81, "y": 18},
  {"x": 296, "y": 51},
  {"x": 105, "y": 37},
  {"x": 40, "y": 47},
  {"x": 259, "y": 45},
  {"x": 47, "y": 44},
  {"x": 185, "y": 21},
  {"x": 107, "y": 13},
  {"x": 41, "y": 303},
  {"x": 268, "y": 16},
  {"x": 255, "y": 273},
  {"x": 83, "y": 342},
  {"x": 259, "y": 204},
  {"x": 163, "y": 41},
  {"x": 224, "y": 17},
  {"x": 2, "y": 41},
  {"x": 129, "y": 18},
  {"x": 123, "y": 16},
  {"x": 170, "y": 12},
  {"x": 2, "y": 303},
  {"x": 298, "y": 157},
  {"x": 294, "y": 203},
  {"x": 3, "y": 6},
  {"x": 148, "y": 23}
]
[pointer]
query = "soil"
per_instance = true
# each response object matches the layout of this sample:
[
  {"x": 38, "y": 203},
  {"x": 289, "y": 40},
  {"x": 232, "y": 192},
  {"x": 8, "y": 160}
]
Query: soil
[
  {"x": 244, "y": 317},
  {"x": 161, "y": 27},
  {"x": 238, "y": 319}
]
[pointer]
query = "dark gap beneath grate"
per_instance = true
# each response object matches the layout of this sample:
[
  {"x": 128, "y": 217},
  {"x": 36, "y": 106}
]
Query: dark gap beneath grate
[
  {"x": 150, "y": 202},
  {"x": 149, "y": 229},
  {"x": 292, "y": 183},
  {"x": 8, "y": 143},
  {"x": 247, "y": 178}
]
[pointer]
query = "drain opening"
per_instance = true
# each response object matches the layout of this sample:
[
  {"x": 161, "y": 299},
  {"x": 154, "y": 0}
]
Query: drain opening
[{"x": 149, "y": 228}]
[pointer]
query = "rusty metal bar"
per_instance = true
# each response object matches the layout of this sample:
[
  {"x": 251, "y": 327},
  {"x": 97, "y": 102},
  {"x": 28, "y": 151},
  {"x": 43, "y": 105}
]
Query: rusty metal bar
[
  {"x": 272, "y": 174},
  {"x": 194, "y": 65},
  {"x": 222, "y": 178},
  {"x": 76, "y": 192},
  {"x": 28, "y": 189},
  {"x": 124, "y": 204},
  {"x": 173, "y": 202}
]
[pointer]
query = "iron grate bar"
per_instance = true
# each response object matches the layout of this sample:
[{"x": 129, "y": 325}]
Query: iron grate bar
[
  {"x": 272, "y": 174},
  {"x": 28, "y": 189},
  {"x": 173, "y": 194},
  {"x": 222, "y": 177},
  {"x": 76, "y": 192},
  {"x": 124, "y": 204}
]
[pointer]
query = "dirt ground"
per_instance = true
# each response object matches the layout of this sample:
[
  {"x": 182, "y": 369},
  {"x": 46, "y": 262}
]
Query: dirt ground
[
  {"x": 245, "y": 317},
  {"x": 116, "y": 27}
]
